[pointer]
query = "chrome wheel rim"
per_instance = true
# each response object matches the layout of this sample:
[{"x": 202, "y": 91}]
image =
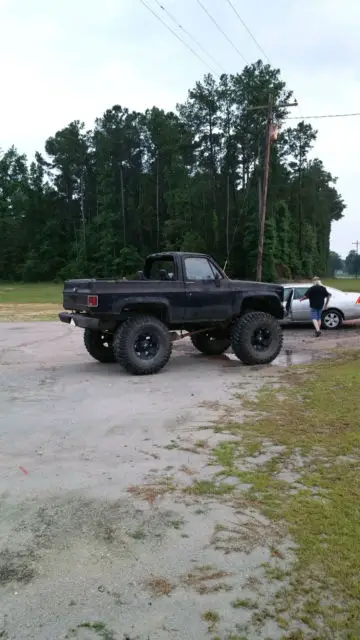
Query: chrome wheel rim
[{"x": 331, "y": 320}]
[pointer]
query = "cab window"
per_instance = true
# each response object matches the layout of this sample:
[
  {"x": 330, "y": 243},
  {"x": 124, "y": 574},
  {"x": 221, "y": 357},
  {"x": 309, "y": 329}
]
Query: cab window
[
  {"x": 199, "y": 269},
  {"x": 161, "y": 269}
]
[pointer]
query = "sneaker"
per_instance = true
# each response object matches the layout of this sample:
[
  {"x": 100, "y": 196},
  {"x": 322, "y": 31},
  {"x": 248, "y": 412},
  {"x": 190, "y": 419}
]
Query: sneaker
[{"x": 318, "y": 334}]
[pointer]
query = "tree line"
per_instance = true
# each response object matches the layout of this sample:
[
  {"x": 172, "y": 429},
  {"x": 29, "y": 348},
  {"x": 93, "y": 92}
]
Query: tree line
[
  {"x": 350, "y": 266},
  {"x": 96, "y": 202}
]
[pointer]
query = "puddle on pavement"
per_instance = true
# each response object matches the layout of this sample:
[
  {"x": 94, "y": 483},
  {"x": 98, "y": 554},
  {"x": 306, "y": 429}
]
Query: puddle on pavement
[{"x": 287, "y": 358}]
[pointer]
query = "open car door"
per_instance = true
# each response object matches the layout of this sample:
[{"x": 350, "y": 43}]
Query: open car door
[{"x": 287, "y": 303}]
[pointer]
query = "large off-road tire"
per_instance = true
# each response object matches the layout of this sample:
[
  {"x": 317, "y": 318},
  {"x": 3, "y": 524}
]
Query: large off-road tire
[
  {"x": 99, "y": 345},
  {"x": 257, "y": 338},
  {"x": 210, "y": 343},
  {"x": 331, "y": 319},
  {"x": 142, "y": 345}
]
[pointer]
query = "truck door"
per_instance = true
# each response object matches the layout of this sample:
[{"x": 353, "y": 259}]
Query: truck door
[
  {"x": 207, "y": 293},
  {"x": 164, "y": 280}
]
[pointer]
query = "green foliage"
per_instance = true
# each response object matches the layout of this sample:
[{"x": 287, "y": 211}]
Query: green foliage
[
  {"x": 336, "y": 263},
  {"x": 100, "y": 200},
  {"x": 352, "y": 263}
]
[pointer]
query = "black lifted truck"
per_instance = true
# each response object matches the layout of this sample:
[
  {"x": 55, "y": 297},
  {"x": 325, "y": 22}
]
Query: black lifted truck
[{"x": 132, "y": 322}]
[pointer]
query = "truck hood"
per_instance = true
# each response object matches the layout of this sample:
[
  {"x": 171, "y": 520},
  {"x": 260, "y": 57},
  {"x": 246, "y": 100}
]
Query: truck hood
[{"x": 258, "y": 288}]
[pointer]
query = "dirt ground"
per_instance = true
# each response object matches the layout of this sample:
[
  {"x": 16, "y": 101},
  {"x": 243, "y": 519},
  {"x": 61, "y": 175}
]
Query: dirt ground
[{"x": 98, "y": 536}]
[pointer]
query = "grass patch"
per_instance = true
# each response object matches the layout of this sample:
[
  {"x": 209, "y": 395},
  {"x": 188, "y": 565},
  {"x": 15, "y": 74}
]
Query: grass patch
[
  {"x": 30, "y": 302},
  {"x": 233, "y": 636},
  {"x": 138, "y": 534},
  {"x": 207, "y": 579},
  {"x": 100, "y": 628},
  {"x": 160, "y": 587},
  {"x": 209, "y": 488},
  {"x": 38, "y": 293},
  {"x": 244, "y": 604},
  {"x": 151, "y": 492},
  {"x": 29, "y": 312},
  {"x": 212, "y": 618},
  {"x": 177, "y": 523},
  {"x": 311, "y": 425},
  {"x": 343, "y": 284}
]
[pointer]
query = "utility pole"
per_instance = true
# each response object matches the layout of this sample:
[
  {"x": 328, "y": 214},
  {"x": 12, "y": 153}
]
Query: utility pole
[
  {"x": 357, "y": 257},
  {"x": 269, "y": 132},
  {"x": 123, "y": 215},
  {"x": 271, "y": 135},
  {"x": 82, "y": 209},
  {"x": 227, "y": 214},
  {"x": 157, "y": 204}
]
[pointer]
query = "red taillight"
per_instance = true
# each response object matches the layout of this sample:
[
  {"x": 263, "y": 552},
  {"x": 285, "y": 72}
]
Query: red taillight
[
  {"x": 358, "y": 300},
  {"x": 92, "y": 301}
]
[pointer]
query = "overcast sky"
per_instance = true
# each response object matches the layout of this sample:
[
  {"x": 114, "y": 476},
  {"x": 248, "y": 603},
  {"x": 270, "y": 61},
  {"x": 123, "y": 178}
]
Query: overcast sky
[{"x": 62, "y": 60}]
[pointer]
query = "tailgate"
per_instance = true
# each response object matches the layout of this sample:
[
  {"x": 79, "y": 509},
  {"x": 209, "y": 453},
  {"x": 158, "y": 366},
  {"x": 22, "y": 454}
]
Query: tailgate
[{"x": 76, "y": 292}]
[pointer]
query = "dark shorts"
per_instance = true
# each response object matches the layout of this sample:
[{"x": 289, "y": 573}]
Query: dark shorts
[{"x": 316, "y": 314}]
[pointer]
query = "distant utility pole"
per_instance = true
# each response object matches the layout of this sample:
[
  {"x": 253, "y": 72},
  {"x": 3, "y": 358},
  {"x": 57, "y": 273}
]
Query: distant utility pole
[
  {"x": 271, "y": 136},
  {"x": 357, "y": 255},
  {"x": 82, "y": 209}
]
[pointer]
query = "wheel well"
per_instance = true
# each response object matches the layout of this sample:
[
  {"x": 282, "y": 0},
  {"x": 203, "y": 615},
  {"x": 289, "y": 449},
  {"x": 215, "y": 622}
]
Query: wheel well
[
  {"x": 337, "y": 311},
  {"x": 267, "y": 304},
  {"x": 159, "y": 311}
]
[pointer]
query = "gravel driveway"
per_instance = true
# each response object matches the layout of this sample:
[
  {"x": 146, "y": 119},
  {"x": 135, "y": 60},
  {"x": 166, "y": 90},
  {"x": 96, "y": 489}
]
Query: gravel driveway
[{"x": 97, "y": 537}]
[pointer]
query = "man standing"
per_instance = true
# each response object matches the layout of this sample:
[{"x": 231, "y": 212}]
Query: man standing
[{"x": 318, "y": 297}]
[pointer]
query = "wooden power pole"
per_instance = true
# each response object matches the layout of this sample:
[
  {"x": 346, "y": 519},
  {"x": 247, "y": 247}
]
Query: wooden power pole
[
  {"x": 271, "y": 135},
  {"x": 263, "y": 202}
]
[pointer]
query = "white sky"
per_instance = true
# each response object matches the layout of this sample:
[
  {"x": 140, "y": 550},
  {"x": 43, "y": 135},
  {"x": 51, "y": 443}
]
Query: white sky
[{"x": 62, "y": 60}]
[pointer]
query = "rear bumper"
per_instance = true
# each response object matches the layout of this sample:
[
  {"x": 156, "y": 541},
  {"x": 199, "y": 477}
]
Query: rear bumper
[{"x": 80, "y": 320}]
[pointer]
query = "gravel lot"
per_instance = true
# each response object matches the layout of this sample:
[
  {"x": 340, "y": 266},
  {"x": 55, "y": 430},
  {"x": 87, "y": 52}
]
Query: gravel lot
[{"x": 93, "y": 543}]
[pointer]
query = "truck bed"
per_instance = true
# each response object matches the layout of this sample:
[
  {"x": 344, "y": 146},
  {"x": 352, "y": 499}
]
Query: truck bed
[{"x": 76, "y": 292}]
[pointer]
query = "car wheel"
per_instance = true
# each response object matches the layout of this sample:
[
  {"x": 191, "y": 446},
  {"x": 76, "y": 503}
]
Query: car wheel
[{"x": 332, "y": 319}]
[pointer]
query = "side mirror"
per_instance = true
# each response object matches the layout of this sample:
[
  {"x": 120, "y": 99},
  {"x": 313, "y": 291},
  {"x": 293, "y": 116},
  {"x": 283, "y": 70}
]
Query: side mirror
[
  {"x": 140, "y": 275},
  {"x": 217, "y": 280}
]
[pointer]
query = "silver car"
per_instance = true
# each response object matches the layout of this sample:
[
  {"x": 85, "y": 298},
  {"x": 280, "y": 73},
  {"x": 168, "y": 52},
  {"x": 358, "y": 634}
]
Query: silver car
[{"x": 342, "y": 306}]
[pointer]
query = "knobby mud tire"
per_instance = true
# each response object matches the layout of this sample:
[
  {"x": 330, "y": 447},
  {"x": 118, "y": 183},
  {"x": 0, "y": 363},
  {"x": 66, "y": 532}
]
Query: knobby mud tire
[
  {"x": 94, "y": 342},
  {"x": 124, "y": 345},
  {"x": 243, "y": 338},
  {"x": 209, "y": 344}
]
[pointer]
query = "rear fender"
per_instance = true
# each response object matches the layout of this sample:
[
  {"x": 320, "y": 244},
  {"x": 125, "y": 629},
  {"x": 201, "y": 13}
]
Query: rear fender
[{"x": 154, "y": 306}]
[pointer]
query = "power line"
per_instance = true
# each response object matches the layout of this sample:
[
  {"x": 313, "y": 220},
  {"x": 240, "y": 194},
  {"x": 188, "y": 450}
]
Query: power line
[
  {"x": 253, "y": 37},
  {"x": 178, "y": 37},
  {"x": 327, "y": 115},
  {"x": 248, "y": 30},
  {"x": 189, "y": 34},
  {"x": 221, "y": 30}
]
